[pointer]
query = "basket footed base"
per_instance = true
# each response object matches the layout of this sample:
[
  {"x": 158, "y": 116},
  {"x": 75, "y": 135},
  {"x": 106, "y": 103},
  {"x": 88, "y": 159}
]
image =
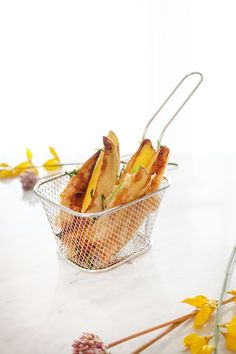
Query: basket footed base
[{"x": 115, "y": 264}]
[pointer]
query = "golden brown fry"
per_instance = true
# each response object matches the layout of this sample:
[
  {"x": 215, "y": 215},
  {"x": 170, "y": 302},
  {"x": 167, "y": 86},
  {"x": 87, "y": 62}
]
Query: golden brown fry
[
  {"x": 140, "y": 158},
  {"x": 106, "y": 178},
  {"x": 158, "y": 169},
  {"x": 113, "y": 137},
  {"x": 132, "y": 187},
  {"x": 74, "y": 193}
]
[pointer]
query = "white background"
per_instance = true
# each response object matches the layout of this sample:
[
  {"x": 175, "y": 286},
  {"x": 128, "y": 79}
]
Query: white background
[{"x": 72, "y": 70}]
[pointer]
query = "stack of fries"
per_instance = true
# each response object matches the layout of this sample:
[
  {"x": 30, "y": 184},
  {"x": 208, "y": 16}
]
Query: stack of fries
[{"x": 101, "y": 185}]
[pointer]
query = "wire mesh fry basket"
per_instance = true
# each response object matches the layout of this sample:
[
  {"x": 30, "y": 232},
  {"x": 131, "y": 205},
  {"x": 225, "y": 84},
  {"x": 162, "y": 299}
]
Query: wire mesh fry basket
[{"x": 100, "y": 241}]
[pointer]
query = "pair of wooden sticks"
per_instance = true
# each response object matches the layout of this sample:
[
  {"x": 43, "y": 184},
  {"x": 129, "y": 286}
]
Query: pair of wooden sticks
[{"x": 171, "y": 325}]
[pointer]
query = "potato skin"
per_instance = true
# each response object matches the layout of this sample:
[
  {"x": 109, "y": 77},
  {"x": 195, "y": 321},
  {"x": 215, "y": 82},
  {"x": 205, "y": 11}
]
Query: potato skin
[
  {"x": 133, "y": 187},
  {"x": 73, "y": 195},
  {"x": 158, "y": 169},
  {"x": 129, "y": 166},
  {"x": 107, "y": 177}
]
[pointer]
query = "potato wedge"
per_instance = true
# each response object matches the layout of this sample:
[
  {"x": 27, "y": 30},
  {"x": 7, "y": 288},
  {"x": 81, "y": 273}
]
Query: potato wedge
[
  {"x": 106, "y": 178},
  {"x": 131, "y": 188},
  {"x": 141, "y": 157},
  {"x": 158, "y": 169},
  {"x": 74, "y": 193},
  {"x": 120, "y": 193},
  {"x": 113, "y": 137}
]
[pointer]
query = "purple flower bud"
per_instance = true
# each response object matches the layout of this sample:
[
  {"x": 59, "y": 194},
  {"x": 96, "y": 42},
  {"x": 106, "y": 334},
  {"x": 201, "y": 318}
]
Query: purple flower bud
[
  {"x": 28, "y": 180},
  {"x": 89, "y": 343}
]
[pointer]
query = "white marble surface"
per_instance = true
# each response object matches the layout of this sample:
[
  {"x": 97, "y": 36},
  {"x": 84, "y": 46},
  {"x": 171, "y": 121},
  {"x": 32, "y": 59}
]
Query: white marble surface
[{"x": 45, "y": 303}]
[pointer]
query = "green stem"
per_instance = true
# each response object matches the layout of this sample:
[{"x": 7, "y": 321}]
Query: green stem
[
  {"x": 228, "y": 273},
  {"x": 173, "y": 164}
]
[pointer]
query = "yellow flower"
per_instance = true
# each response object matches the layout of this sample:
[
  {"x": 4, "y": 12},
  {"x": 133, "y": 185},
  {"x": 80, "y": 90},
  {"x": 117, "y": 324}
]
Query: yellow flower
[
  {"x": 233, "y": 292},
  {"x": 51, "y": 164},
  {"x": 230, "y": 342},
  {"x": 205, "y": 308},
  {"x": 5, "y": 172},
  {"x": 207, "y": 349},
  {"x": 230, "y": 335},
  {"x": 198, "y": 344},
  {"x": 9, "y": 172},
  {"x": 231, "y": 327},
  {"x": 24, "y": 166}
]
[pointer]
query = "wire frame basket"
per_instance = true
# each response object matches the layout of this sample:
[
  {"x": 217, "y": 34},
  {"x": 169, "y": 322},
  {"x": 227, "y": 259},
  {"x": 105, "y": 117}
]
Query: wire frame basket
[{"x": 99, "y": 241}]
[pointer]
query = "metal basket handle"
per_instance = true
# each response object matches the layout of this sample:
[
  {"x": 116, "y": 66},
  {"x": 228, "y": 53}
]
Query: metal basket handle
[{"x": 178, "y": 110}]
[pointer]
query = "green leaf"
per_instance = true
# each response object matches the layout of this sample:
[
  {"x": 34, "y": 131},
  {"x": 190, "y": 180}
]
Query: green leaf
[{"x": 72, "y": 173}]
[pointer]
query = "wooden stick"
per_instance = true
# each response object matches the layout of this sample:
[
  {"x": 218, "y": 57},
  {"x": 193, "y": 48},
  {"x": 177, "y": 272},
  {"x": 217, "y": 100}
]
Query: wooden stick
[
  {"x": 162, "y": 325},
  {"x": 231, "y": 299},
  {"x": 135, "y": 335},
  {"x": 152, "y": 341}
]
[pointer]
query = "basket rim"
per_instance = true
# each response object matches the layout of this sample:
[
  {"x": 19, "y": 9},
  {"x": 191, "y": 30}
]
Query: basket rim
[{"x": 100, "y": 213}]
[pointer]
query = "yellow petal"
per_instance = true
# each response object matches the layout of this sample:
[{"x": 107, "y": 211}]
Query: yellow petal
[
  {"x": 188, "y": 340},
  {"x": 230, "y": 342},
  {"x": 233, "y": 320},
  {"x": 231, "y": 327},
  {"x": 29, "y": 154},
  {"x": 5, "y": 173},
  {"x": 54, "y": 153},
  {"x": 198, "y": 343},
  {"x": 202, "y": 316},
  {"x": 197, "y": 301},
  {"x": 17, "y": 170},
  {"x": 20, "y": 168},
  {"x": 233, "y": 292},
  {"x": 207, "y": 349},
  {"x": 49, "y": 165}
]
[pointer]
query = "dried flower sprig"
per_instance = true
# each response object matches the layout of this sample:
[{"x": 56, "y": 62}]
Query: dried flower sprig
[
  {"x": 27, "y": 171},
  {"x": 6, "y": 168},
  {"x": 9, "y": 172},
  {"x": 28, "y": 180},
  {"x": 6, "y": 171},
  {"x": 89, "y": 343}
]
